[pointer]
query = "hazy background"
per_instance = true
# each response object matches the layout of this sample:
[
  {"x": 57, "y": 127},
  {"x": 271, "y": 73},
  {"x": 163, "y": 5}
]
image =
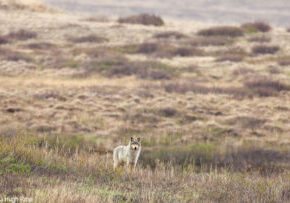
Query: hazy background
[{"x": 276, "y": 12}]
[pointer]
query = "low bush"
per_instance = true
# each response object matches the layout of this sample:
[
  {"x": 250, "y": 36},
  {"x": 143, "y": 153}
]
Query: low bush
[
  {"x": 144, "y": 19},
  {"x": 260, "y": 39},
  {"x": 243, "y": 71},
  {"x": 89, "y": 39},
  {"x": 161, "y": 50},
  {"x": 230, "y": 57},
  {"x": 170, "y": 34},
  {"x": 117, "y": 65},
  {"x": 253, "y": 27},
  {"x": 205, "y": 156},
  {"x": 40, "y": 45},
  {"x": 228, "y": 31},
  {"x": 67, "y": 144},
  {"x": 210, "y": 41},
  {"x": 191, "y": 86},
  {"x": 22, "y": 35},
  {"x": 263, "y": 49},
  {"x": 9, "y": 55},
  {"x": 284, "y": 61},
  {"x": 4, "y": 40},
  {"x": 265, "y": 87},
  {"x": 274, "y": 70}
]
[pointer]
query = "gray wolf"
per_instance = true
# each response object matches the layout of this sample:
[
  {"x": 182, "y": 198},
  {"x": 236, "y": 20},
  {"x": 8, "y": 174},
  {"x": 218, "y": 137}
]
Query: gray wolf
[{"x": 128, "y": 154}]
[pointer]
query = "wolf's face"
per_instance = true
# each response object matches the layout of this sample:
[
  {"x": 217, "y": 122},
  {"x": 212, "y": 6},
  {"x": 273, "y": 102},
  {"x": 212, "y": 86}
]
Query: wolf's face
[{"x": 135, "y": 144}]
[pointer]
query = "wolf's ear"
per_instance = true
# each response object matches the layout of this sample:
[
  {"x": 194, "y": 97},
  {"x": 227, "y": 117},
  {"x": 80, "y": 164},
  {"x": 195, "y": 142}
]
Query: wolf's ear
[
  {"x": 132, "y": 139},
  {"x": 138, "y": 139}
]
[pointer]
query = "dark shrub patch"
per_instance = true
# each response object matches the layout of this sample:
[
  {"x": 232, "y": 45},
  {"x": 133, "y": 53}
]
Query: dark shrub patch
[
  {"x": 285, "y": 61},
  {"x": 148, "y": 48},
  {"x": 243, "y": 71},
  {"x": 230, "y": 57},
  {"x": 169, "y": 34},
  {"x": 7, "y": 54},
  {"x": 67, "y": 144},
  {"x": 260, "y": 39},
  {"x": 16, "y": 56},
  {"x": 274, "y": 70},
  {"x": 208, "y": 156},
  {"x": 4, "y": 40},
  {"x": 119, "y": 66},
  {"x": 22, "y": 35},
  {"x": 247, "y": 122},
  {"x": 88, "y": 38},
  {"x": 99, "y": 19},
  {"x": 144, "y": 19},
  {"x": 163, "y": 50},
  {"x": 229, "y": 31},
  {"x": 263, "y": 49},
  {"x": 167, "y": 112},
  {"x": 210, "y": 41},
  {"x": 288, "y": 29},
  {"x": 256, "y": 27},
  {"x": 188, "y": 86},
  {"x": 264, "y": 86},
  {"x": 186, "y": 51},
  {"x": 40, "y": 45}
]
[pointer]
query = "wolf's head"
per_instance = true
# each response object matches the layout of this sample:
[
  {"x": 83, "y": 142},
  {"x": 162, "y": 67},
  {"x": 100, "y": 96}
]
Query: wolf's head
[{"x": 135, "y": 144}]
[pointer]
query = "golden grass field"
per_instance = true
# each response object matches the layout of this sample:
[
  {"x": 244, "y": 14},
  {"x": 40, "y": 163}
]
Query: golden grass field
[{"x": 212, "y": 108}]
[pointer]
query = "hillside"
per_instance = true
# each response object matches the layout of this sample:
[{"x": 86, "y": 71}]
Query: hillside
[
  {"x": 210, "y": 103},
  {"x": 213, "y": 11}
]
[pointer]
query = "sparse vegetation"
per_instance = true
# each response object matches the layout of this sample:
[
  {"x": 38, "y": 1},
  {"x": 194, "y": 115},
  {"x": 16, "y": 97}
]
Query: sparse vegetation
[{"x": 144, "y": 19}]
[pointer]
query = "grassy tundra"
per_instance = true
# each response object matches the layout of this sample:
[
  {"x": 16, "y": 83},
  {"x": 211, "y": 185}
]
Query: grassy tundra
[{"x": 210, "y": 103}]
